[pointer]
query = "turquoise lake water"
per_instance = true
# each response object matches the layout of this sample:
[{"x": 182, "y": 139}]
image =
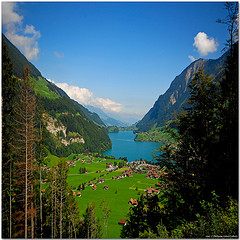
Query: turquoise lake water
[{"x": 123, "y": 145}]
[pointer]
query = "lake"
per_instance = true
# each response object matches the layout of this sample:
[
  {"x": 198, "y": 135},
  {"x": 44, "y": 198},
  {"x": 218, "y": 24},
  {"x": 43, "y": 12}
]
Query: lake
[{"x": 123, "y": 145}]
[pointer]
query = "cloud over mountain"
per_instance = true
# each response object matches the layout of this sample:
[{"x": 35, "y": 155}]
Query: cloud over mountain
[
  {"x": 86, "y": 97},
  {"x": 25, "y": 38},
  {"x": 204, "y": 44}
]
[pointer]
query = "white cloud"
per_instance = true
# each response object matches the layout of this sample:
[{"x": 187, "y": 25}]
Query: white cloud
[
  {"x": 24, "y": 38},
  {"x": 204, "y": 44},
  {"x": 191, "y": 58},
  {"x": 109, "y": 105},
  {"x": 86, "y": 97},
  {"x": 58, "y": 55},
  {"x": 9, "y": 16}
]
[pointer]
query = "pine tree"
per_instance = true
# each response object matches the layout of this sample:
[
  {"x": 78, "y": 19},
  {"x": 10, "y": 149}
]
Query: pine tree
[{"x": 9, "y": 90}]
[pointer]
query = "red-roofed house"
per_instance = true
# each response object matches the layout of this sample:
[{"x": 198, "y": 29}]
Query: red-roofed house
[
  {"x": 135, "y": 202},
  {"x": 122, "y": 222},
  {"x": 130, "y": 201}
]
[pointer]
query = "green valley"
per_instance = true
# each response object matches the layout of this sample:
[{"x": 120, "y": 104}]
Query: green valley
[{"x": 119, "y": 192}]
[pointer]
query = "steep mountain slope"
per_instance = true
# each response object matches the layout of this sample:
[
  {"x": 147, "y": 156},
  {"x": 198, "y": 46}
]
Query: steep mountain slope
[
  {"x": 70, "y": 128},
  {"x": 178, "y": 93},
  {"x": 109, "y": 121},
  {"x": 19, "y": 60}
]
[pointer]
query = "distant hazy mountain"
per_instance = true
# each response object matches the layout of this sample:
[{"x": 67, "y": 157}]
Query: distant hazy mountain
[
  {"x": 109, "y": 121},
  {"x": 178, "y": 93}
]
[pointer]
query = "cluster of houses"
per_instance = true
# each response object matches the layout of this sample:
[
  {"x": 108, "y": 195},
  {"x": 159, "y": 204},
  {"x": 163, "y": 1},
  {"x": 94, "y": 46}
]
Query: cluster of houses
[
  {"x": 125, "y": 174},
  {"x": 71, "y": 163},
  {"x": 110, "y": 166},
  {"x": 137, "y": 163},
  {"x": 151, "y": 191},
  {"x": 156, "y": 174},
  {"x": 94, "y": 186},
  {"x": 155, "y": 190},
  {"x": 100, "y": 181}
]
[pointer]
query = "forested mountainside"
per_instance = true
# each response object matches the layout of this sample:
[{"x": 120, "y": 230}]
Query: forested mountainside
[
  {"x": 80, "y": 129},
  {"x": 178, "y": 93}
]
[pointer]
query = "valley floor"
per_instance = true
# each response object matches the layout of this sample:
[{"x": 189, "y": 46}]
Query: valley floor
[{"x": 116, "y": 186}]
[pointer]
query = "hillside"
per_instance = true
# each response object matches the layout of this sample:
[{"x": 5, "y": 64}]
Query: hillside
[
  {"x": 70, "y": 127},
  {"x": 178, "y": 93}
]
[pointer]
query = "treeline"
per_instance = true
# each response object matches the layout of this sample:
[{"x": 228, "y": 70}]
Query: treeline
[{"x": 200, "y": 199}]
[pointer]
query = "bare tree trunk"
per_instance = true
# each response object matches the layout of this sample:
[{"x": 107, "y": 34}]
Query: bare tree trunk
[
  {"x": 32, "y": 215},
  {"x": 10, "y": 206},
  {"x": 26, "y": 169},
  {"x": 40, "y": 190},
  {"x": 61, "y": 206},
  {"x": 55, "y": 205},
  {"x": 52, "y": 209}
]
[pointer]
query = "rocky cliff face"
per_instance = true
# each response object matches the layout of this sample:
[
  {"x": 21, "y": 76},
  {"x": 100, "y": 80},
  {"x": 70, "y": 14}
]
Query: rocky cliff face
[
  {"x": 59, "y": 131},
  {"x": 176, "y": 96}
]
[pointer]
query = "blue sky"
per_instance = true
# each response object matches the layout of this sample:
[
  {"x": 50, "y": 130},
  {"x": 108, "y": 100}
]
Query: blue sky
[{"x": 118, "y": 56}]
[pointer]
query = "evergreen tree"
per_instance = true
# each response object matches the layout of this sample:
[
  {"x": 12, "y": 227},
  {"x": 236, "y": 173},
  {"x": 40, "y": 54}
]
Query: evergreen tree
[{"x": 9, "y": 90}]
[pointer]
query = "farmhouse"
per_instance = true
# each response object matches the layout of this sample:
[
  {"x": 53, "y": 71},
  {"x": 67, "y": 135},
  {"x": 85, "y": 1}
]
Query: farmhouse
[
  {"x": 105, "y": 187},
  {"x": 122, "y": 222},
  {"x": 100, "y": 181},
  {"x": 79, "y": 194},
  {"x": 94, "y": 187},
  {"x": 133, "y": 202},
  {"x": 130, "y": 201}
]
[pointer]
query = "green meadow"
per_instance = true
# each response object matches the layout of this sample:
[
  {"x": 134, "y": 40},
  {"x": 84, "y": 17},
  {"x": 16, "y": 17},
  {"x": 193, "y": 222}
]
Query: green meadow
[{"x": 117, "y": 196}]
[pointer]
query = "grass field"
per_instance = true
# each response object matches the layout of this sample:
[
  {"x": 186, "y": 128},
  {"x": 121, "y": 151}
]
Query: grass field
[
  {"x": 43, "y": 90},
  {"x": 118, "y": 194}
]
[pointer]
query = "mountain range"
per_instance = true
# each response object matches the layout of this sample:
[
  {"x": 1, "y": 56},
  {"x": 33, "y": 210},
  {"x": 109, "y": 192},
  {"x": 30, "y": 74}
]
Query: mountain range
[
  {"x": 109, "y": 121},
  {"x": 176, "y": 96}
]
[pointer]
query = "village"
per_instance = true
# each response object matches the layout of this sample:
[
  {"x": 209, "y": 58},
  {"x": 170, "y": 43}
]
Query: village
[
  {"x": 136, "y": 167},
  {"x": 95, "y": 176}
]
